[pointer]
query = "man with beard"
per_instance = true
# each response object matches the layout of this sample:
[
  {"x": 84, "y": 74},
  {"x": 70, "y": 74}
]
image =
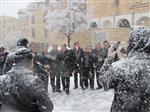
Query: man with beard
[
  {"x": 79, "y": 65},
  {"x": 20, "y": 89},
  {"x": 2, "y": 59},
  {"x": 130, "y": 77},
  {"x": 98, "y": 52}
]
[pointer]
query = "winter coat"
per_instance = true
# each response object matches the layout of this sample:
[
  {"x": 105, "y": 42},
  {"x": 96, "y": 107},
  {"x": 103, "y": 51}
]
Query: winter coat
[
  {"x": 105, "y": 52},
  {"x": 2, "y": 61},
  {"x": 90, "y": 60},
  {"x": 100, "y": 55},
  {"x": 15, "y": 56},
  {"x": 66, "y": 62},
  {"x": 130, "y": 77},
  {"x": 54, "y": 65},
  {"x": 22, "y": 91},
  {"x": 79, "y": 56}
]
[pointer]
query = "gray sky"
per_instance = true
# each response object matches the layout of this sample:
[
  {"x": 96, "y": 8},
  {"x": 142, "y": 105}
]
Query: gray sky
[{"x": 10, "y": 7}]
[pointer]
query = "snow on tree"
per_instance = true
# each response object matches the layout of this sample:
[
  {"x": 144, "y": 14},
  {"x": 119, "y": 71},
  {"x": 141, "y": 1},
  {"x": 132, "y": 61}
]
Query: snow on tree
[{"x": 73, "y": 18}]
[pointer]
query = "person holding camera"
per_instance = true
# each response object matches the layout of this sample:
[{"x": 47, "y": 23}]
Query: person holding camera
[{"x": 129, "y": 76}]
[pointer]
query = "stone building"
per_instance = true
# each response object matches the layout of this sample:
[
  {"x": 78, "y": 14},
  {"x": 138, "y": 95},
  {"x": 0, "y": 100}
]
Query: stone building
[
  {"x": 109, "y": 20},
  {"x": 10, "y": 31}
]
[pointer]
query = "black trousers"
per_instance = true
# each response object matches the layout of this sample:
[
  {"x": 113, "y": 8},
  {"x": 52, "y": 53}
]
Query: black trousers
[
  {"x": 66, "y": 83},
  {"x": 89, "y": 78},
  {"x": 55, "y": 81}
]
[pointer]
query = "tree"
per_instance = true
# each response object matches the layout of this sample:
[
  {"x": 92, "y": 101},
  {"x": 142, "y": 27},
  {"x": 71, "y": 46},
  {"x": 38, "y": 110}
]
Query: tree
[{"x": 67, "y": 20}]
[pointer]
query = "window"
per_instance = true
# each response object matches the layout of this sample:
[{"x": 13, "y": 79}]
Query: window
[
  {"x": 33, "y": 32},
  {"x": 33, "y": 19}
]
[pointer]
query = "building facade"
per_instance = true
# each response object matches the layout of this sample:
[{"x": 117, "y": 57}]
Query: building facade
[{"x": 108, "y": 20}]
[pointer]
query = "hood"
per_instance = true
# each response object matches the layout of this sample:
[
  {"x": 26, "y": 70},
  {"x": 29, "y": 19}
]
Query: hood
[{"x": 139, "y": 40}]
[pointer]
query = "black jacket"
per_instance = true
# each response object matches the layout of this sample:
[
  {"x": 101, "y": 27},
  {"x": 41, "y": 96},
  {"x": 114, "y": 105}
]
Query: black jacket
[{"x": 22, "y": 91}]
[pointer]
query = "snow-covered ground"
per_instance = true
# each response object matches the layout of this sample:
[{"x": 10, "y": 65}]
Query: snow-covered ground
[{"x": 82, "y": 101}]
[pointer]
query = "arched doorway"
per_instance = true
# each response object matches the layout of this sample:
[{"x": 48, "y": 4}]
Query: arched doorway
[
  {"x": 144, "y": 21},
  {"x": 123, "y": 23}
]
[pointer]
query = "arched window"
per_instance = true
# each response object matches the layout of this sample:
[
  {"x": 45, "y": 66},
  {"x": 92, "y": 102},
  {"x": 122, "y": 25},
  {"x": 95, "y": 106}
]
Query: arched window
[
  {"x": 107, "y": 24},
  {"x": 144, "y": 21},
  {"x": 124, "y": 23},
  {"x": 93, "y": 25}
]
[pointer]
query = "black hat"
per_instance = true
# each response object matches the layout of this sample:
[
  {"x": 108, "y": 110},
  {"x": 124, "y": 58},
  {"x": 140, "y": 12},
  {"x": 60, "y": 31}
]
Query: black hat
[
  {"x": 2, "y": 48},
  {"x": 22, "y": 42}
]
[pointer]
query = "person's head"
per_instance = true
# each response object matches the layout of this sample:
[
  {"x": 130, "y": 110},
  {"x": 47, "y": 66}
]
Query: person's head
[
  {"x": 23, "y": 42},
  {"x": 98, "y": 45},
  {"x": 89, "y": 49},
  {"x": 55, "y": 47},
  {"x": 44, "y": 50},
  {"x": 139, "y": 40},
  {"x": 63, "y": 48},
  {"x": 77, "y": 44},
  {"x": 106, "y": 44},
  {"x": 2, "y": 50}
]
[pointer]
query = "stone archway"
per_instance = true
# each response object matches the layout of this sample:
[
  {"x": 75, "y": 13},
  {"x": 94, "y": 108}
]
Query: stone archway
[
  {"x": 123, "y": 23},
  {"x": 143, "y": 21},
  {"x": 107, "y": 24}
]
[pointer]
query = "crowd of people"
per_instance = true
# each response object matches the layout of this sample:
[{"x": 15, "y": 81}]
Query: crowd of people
[{"x": 25, "y": 74}]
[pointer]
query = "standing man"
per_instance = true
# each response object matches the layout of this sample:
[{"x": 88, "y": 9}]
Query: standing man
[
  {"x": 2, "y": 59},
  {"x": 79, "y": 65},
  {"x": 106, "y": 46},
  {"x": 66, "y": 57},
  {"x": 89, "y": 74},
  {"x": 98, "y": 52},
  {"x": 54, "y": 66}
]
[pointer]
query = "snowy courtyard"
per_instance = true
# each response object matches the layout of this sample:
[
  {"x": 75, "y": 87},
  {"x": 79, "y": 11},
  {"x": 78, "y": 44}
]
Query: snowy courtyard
[{"x": 82, "y": 101}]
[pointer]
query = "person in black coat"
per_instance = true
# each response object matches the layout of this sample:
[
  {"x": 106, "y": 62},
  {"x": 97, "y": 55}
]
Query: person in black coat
[
  {"x": 54, "y": 69},
  {"x": 20, "y": 89},
  {"x": 66, "y": 60},
  {"x": 89, "y": 74},
  {"x": 129, "y": 77},
  {"x": 79, "y": 65},
  {"x": 99, "y": 53}
]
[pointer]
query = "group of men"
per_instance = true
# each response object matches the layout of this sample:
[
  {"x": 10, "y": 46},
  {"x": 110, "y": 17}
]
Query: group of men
[
  {"x": 78, "y": 62},
  {"x": 61, "y": 64}
]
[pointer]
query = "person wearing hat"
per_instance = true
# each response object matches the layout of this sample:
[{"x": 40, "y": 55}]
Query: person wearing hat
[
  {"x": 21, "y": 90},
  {"x": 22, "y": 45},
  {"x": 130, "y": 76}
]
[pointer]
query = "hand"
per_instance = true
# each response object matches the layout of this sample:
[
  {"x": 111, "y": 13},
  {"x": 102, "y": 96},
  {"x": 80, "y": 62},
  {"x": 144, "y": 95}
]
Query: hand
[
  {"x": 111, "y": 51},
  {"x": 119, "y": 53}
]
